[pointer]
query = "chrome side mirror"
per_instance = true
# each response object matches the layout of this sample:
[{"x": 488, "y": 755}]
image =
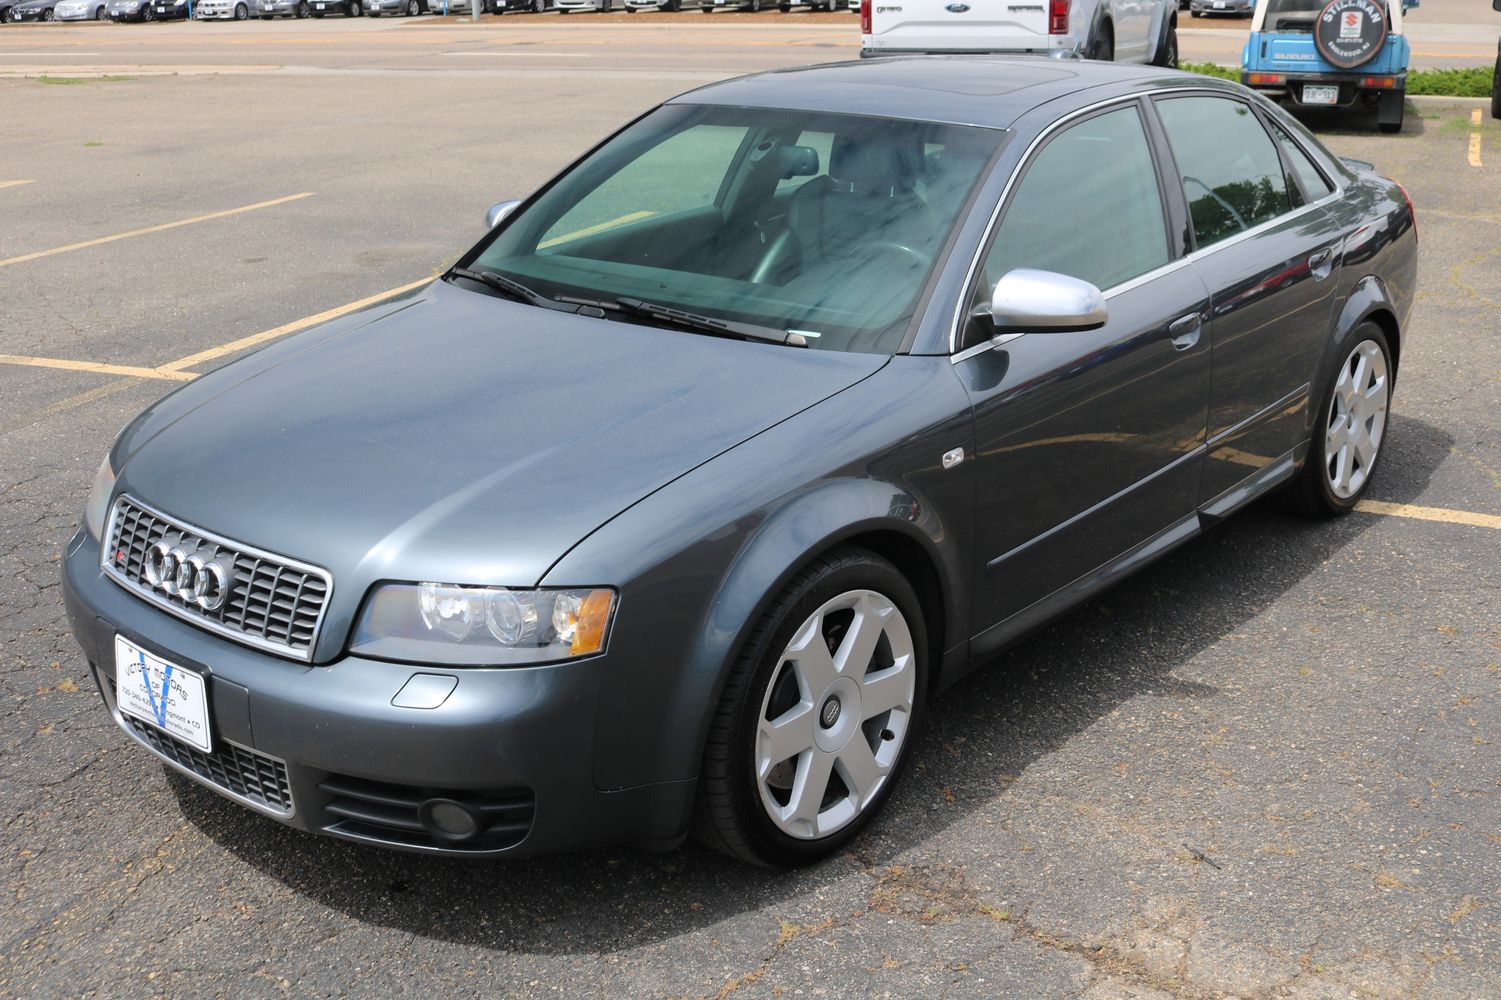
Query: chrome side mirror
[
  {"x": 498, "y": 212},
  {"x": 1031, "y": 301}
]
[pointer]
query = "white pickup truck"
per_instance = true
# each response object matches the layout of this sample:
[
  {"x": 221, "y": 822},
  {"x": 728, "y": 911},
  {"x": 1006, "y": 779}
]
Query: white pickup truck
[{"x": 1142, "y": 31}]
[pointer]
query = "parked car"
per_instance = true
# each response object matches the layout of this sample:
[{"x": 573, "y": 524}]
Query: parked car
[
  {"x": 1496, "y": 80},
  {"x": 1144, "y": 31},
  {"x": 411, "y": 8},
  {"x": 1237, "y": 8},
  {"x": 569, "y": 6},
  {"x": 266, "y": 10},
  {"x": 221, "y": 10},
  {"x": 1348, "y": 54},
  {"x": 32, "y": 10},
  {"x": 131, "y": 10},
  {"x": 671, "y": 6},
  {"x": 349, "y": 8},
  {"x": 169, "y": 10},
  {"x": 5, "y": 6},
  {"x": 709, "y": 6},
  {"x": 81, "y": 10},
  {"x": 827, "y": 5},
  {"x": 675, "y": 501}
]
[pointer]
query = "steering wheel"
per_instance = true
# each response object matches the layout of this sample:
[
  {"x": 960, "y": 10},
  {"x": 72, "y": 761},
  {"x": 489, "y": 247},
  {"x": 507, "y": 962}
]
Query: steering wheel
[
  {"x": 1222, "y": 202},
  {"x": 891, "y": 246}
]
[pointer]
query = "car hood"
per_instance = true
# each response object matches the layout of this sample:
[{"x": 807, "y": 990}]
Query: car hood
[{"x": 456, "y": 436}]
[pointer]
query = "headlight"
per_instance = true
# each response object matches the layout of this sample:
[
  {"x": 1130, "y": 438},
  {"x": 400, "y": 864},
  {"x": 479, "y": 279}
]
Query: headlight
[
  {"x": 95, "y": 511},
  {"x": 482, "y": 626}
]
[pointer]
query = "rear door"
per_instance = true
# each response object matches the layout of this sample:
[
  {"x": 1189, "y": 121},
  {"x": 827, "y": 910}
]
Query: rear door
[
  {"x": 962, "y": 26},
  {"x": 1267, "y": 252}
]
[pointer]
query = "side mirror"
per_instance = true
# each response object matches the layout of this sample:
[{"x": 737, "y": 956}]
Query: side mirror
[
  {"x": 498, "y": 212},
  {"x": 1031, "y": 301}
]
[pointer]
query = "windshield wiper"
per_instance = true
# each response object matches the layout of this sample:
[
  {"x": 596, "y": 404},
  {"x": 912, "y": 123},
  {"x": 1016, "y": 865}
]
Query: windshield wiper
[
  {"x": 512, "y": 288},
  {"x": 708, "y": 324}
]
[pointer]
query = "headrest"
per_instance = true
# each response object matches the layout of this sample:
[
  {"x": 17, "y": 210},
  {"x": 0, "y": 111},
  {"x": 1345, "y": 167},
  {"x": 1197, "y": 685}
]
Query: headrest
[{"x": 875, "y": 166}]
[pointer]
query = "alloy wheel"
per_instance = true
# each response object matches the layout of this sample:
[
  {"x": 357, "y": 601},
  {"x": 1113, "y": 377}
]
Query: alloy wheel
[
  {"x": 1356, "y": 421},
  {"x": 835, "y": 714}
]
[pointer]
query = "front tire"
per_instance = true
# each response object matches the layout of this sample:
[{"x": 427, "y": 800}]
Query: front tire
[
  {"x": 1350, "y": 429},
  {"x": 817, "y": 715}
]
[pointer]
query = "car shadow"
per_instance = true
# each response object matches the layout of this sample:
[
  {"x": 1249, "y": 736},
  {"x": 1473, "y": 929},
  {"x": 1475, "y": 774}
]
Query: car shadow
[
  {"x": 1360, "y": 121},
  {"x": 980, "y": 736}
]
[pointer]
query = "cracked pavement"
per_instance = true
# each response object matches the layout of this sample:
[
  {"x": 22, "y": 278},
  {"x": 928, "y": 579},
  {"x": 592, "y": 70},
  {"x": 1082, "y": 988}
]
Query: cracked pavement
[{"x": 1266, "y": 767}]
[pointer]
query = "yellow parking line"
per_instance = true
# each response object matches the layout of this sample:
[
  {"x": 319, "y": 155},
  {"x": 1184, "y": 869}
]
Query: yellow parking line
[
  {"x": 1475, "y": 138},
  {"x": 193, "y": 360},
  {"x": 11, "y": 184},
  {"x": 1441, "y": 514},
  {"x": 100, "y": 369},
  {"x": 154, "y": 229}
]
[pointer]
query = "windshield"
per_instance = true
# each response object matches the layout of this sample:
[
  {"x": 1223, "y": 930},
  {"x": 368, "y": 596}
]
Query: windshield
[{"x": 824, "y": 225}]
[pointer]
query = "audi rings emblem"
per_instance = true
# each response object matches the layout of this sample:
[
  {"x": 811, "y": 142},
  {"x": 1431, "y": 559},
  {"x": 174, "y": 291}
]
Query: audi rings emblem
[{"x": 178, "y": 572}]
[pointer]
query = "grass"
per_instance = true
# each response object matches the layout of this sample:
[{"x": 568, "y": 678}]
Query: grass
[
  {"x": 1472, "y": 82},
  {"x": 73, "y": 81}
]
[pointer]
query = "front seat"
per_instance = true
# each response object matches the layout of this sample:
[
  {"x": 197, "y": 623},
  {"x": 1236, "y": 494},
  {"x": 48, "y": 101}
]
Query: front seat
[{"x": 868, "y": 197}]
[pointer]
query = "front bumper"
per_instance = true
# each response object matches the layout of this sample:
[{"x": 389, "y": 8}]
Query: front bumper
[
  {"x": 324, "y": 749},
  {"x": 1221, "y": 6}
]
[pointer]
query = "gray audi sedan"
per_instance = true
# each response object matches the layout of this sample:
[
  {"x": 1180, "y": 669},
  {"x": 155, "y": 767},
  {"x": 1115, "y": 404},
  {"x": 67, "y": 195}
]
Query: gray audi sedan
[{"x": 675, "y": 502}]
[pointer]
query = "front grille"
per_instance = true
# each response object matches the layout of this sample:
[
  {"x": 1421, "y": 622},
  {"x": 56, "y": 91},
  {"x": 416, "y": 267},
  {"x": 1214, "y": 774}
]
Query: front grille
[
  {"x": 389, "y": 814},
  {"x": 247, "y": 774},
  {"x": 274, "y": 603}
]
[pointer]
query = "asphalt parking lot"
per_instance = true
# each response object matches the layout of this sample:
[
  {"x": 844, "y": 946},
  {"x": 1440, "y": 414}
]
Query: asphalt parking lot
[{"x": 1265, "y": 767}]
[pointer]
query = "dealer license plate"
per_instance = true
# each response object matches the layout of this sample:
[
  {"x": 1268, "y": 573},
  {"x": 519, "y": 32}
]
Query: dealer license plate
[
  {"x": 1320, "y": 95},
  {"x": 174, "y": 699}
]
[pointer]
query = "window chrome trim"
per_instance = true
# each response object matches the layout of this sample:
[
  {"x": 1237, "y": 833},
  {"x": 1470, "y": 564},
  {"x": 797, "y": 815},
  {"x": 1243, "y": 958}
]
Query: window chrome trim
[
  {"x": 1125, "y": 286},
  {"x": 208, "y": 624}
]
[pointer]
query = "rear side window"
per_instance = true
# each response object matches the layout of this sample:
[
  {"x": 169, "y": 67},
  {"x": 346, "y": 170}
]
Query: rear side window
[
  {"x": 1231, "y": 174},
  {"x": 1088, "y": 206},
  {"x": 1308, "y": 175}
]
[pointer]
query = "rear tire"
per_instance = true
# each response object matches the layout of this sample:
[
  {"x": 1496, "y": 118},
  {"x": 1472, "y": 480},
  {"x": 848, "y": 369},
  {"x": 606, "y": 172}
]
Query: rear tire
[
  {"x": 802, "y": 687},
  {"x": 1167, "y": 53},
  {"x": 1103, "y": 47},
  {"x": 101, "y": 14},
  {"x": 1349, "y": 430}
]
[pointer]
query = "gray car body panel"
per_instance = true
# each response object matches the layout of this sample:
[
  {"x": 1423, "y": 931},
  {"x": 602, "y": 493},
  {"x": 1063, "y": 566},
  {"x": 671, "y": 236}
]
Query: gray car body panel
[{"x": 453, "y": 435}]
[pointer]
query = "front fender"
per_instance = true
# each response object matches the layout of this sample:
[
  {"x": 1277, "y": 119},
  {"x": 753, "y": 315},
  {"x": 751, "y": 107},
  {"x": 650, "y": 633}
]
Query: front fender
[{"x": 698, "y": 562}]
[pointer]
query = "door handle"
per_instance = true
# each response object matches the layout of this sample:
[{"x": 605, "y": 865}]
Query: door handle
[
  {"x": 1185, "y": 331},
  {"x": 1321, "y": 264}
]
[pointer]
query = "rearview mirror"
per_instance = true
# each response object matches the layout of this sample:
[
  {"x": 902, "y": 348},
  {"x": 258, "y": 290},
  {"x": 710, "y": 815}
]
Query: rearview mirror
[
  {"x": 498, "y": 212},
  {"x": 1031, "y": 301}
]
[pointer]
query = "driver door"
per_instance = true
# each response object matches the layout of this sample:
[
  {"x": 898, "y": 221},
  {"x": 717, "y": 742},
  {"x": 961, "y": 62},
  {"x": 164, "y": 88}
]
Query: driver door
[{"x": 1088, "y": 444}]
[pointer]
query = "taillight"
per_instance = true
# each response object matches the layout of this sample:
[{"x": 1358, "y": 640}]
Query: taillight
[
  {"x": 1266, "y": 79},
  {"x": 1379, "y": 82},
  {"x": 1058, "y": 16},
  {"x": 864, "y": 17},
  {"x": 1410, "y": 213}
]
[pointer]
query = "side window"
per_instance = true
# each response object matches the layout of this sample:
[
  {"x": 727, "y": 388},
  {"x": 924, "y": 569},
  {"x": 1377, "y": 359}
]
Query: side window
[
  {"x": 820, "y": 142},
  {"x": 1088, "y": 206},
  {"x": 1232, "y": 176},
  {"x": 681, "y": 173},
  {"x": 1308, "y": 175}
]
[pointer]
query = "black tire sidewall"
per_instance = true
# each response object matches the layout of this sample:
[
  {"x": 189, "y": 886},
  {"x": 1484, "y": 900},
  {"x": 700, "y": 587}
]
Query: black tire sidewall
[
  {"x": 854, "y": 571},
  {"x": 1315, "y": 466}
]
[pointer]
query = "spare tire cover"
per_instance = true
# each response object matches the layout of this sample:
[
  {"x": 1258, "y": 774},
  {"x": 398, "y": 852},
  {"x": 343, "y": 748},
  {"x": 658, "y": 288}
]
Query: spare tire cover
[{"x": 1349, "y": 33}]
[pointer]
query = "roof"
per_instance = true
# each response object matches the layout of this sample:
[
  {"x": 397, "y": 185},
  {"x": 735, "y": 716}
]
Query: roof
[{"x": 990, "y": 91}]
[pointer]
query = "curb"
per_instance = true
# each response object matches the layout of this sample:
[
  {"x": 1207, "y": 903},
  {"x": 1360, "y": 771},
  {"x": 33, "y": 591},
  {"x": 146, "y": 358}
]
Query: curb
[{"x": 1468, "y": 102}]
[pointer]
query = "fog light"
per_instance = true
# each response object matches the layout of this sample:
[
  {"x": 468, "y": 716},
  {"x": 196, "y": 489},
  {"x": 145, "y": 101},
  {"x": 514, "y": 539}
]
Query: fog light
[{"x": 448, "y": 820}]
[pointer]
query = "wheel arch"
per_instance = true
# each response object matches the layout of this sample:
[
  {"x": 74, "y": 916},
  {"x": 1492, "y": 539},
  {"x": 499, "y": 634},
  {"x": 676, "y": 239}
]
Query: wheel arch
[{"x": 1369, "y": 301}]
